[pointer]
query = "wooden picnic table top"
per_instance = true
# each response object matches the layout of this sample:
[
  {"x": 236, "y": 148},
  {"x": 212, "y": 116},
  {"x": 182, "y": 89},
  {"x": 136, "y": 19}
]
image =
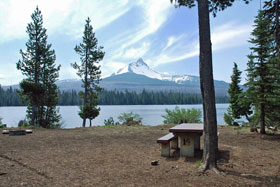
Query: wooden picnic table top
[{"x": 187, "y": 128}]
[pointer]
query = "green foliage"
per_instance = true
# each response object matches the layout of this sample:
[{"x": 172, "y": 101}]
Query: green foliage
[
  {"x": 228, "y": 119},
  {"x": 130, "y": 118},
  {"x": 189, "y": 116},
  {"x": 10, "y": 97},
  {"x": 271, "y": 11},
  {"x": 235, "y": 91},
  {"x": 239, "y": 103},
  {"x": 38, "y": 89},
  {"x": 109, "y": 121},
  {"x": 1, "y": 124},
  {"x": 89, "y": 71},
  {"x": 214, "y": 5},
  {"x": 263, "y": 72},
  {"x": 197, "y": 163}
]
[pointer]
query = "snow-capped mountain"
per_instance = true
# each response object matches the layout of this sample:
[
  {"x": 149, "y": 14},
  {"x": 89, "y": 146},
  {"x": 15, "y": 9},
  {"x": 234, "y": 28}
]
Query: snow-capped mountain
[
  {"x": 138, "y": 76},
  {"x": 141, "y": 68}
]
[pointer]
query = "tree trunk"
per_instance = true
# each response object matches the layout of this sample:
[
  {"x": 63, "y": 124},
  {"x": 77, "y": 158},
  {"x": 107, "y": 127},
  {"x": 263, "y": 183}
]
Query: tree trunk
[
  {"x": 262, "y": 115},
  {"x": 86, "y": 86},
  {"x": 207, "y": 88},
  {"x": 84, "y": 122},
  {"x": 90, "y": 123}
]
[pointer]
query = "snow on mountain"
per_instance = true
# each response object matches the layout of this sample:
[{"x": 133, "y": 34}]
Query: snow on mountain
[{"x": 141, "y": 68}]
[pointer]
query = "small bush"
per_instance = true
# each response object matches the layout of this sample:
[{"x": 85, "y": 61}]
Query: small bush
[
  {"x": 130, "y": 119},
  {"x": 1, "y": 124},
  {"x": 188, "y": 116},
  {"x": 228, "y": 119},
  {"x": 109, "y": 121}
]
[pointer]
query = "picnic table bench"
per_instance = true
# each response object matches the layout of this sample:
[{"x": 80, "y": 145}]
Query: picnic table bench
[
  {"x": 165, "y": 144},
  {"x": 185, "y": 136}
]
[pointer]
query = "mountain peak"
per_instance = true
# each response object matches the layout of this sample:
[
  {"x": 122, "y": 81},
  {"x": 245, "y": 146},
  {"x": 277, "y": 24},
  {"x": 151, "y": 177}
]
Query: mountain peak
[
  {"x": 141, "y": 68},
  {"x": 139, "y": 62}
]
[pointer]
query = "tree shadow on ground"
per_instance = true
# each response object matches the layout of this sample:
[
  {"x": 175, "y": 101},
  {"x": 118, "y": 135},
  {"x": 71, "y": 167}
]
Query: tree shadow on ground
[
  {"x": 223, "y": 156},
  {"x": 271, "y": 137},
  {"x": 263, "y": 181}
]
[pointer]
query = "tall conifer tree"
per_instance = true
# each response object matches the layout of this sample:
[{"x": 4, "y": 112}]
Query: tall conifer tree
[
  {"x": 260, "y": 67},
  {"x": 271, "y": 11},
  {"x": 235, "y": 91},
  {"x": 38, "y": 66},
  {"x": 89, "y": 71}
]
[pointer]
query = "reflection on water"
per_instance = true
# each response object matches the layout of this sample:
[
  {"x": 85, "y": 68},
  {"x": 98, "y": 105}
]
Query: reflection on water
[{"x": 152, "y": 114}]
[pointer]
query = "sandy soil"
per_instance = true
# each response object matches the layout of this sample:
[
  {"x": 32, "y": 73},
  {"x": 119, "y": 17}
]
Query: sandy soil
[{"x": 122, "y": 156}]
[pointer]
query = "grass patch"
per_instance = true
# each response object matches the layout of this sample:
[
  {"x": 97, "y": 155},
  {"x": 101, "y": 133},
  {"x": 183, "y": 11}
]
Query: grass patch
[{"x": 197, "y": 163}]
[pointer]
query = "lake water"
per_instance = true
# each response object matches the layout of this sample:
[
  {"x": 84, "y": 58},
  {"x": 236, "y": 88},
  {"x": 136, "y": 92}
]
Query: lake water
[{"x": 151, "y": 114}]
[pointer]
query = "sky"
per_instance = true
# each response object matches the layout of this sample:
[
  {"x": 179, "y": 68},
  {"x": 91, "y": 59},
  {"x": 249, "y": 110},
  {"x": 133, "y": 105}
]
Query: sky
[{"x": 164, "y": 36}]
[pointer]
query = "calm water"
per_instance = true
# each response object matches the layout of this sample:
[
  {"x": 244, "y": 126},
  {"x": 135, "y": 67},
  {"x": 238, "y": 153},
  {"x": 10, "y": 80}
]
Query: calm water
[{"x": 151, "y": 114}]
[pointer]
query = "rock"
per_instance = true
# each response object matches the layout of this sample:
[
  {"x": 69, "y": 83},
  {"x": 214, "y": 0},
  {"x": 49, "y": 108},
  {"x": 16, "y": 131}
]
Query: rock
[
  {"x": 28, "y": 131},
  {"x": 235, "y": 124},
  {"x": 154, "y": 163},
  {"x": 5, "y": 132},
  {"x": 253, "y": 129}
]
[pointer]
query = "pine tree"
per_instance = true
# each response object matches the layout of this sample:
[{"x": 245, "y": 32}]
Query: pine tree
[
  {"x": 210, "y": 153},
  {"x": 234, "y": 92},
  {"x": 259, "y": 68},
  {"x": 38, "y": 65},
  {"x": 271, "y": 11},
  {"x": 89, "y": 71}
]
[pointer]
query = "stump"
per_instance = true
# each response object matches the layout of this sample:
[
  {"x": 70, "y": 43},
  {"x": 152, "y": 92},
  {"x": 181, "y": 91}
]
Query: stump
[{"x": 17, "y": 132}]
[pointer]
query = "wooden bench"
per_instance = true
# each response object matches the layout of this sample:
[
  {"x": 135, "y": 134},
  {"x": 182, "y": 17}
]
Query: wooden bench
[{"x": 165, "y": 144}]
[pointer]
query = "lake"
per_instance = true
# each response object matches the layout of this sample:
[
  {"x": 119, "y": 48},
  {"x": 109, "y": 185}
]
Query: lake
[{"x": 151, "y": 114}]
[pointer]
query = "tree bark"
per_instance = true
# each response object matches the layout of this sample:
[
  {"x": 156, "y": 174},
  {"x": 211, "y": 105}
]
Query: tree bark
[
  {"x": 262, "y": 115},
  {"x": 86, "y": 86},
  {"x": 207, "y": 88}
]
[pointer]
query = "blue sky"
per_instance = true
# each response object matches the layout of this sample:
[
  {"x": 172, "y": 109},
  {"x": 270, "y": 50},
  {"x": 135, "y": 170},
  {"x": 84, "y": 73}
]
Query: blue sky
[{"x": 164, "y": 36}]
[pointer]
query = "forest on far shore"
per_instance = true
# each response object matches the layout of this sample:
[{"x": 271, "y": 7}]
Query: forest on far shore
[{"x": 10, "y": 97}]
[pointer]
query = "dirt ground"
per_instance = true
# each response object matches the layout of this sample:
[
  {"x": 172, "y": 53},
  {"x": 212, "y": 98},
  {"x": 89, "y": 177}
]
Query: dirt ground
[{"x": 122, "y": 156}]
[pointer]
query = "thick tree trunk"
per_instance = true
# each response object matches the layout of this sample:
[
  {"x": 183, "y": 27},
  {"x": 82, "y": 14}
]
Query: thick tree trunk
[{"x": 207, "y": 88}]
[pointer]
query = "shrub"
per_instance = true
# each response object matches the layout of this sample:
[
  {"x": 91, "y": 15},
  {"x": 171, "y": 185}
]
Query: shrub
[
  {"x": 1, "y": 124},
  {"x": 228, "y": 119},
  {"x": 130, "y": 119},
  {"x": 188, "y": 116},
  {"x": 109, "y": 121}
]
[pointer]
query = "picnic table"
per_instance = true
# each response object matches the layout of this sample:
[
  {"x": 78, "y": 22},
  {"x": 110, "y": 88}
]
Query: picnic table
[{"x": 185, "y": 136}]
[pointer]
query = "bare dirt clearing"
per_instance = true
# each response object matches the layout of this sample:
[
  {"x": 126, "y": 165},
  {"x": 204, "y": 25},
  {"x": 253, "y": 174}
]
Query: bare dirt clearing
[{"x": 122, "y": 156}]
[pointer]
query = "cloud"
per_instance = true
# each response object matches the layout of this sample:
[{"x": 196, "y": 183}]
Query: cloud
[
  {"x": 230, "y": 35},
  {"x": 132, "y": 43},
  {"x": 113, "y": 66},
  {"x": 135, "y": 52},
  {"x": 67, "y": 16},
  {"x": 182, "y": 47},
  {"x": 9, "y": 75},
  {"x": 174, "y": 39}
]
